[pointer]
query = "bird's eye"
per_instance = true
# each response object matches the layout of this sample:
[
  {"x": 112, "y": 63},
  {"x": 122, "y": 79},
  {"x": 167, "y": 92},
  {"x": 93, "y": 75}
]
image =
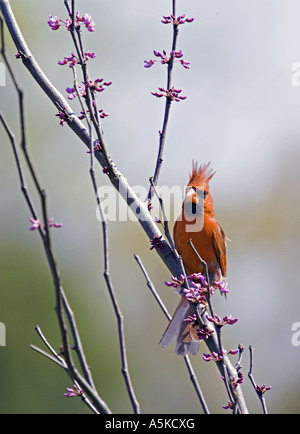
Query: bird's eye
[{"x": 204, "y": 194}]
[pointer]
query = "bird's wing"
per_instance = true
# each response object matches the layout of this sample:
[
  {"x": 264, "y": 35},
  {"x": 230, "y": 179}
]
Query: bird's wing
[{"x": 219, "y": 239}]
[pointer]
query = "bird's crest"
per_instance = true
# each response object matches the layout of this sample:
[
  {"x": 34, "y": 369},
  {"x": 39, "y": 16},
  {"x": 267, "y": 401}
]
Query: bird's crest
[{"x": 201, "y": 174}]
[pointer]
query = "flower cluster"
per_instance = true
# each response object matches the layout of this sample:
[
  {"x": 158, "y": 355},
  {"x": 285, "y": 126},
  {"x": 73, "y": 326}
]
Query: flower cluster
[
  {"x": 239, "y": 380},
  {"x": 228, "y": 406},
  {"x": 176, "y": 21},
  {"x": 62, "y": 116},
  {"x": 221, "y": 322},
  {"x": 190, "y": 318},
  {"x": 73, "y": 392},
  {"x": 221, "y": 286},
  {"x": 176, "y": 283},
  {"x": 166, "y": 59},
  {"x": 262, "y": 389},
  {"x": 204, "y": 333},
  {"x": 36, "y": 224},
  {"x": 72, "y": 92},
  {"x": 97, "y": 86},
  {"x": 171, "y": 94},
  {"x": 102, "y": 114},
  {"x": 73, "y": 59},
  {"x": 86, "y": 20},
  {"x": 97, "y": 147},
  {"x": 217, "y": 357},
  {"x": 195, "y": 277},
  {"x": 157, "y": 243},
  {"x": 198, "y": 291}
]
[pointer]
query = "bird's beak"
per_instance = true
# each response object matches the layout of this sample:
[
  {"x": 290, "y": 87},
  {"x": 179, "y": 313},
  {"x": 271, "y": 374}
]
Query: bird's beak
[{"x": 191, "y": 196}]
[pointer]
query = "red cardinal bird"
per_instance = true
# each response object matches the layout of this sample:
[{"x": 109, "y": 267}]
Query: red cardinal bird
[{"x": 198, "y": 223}]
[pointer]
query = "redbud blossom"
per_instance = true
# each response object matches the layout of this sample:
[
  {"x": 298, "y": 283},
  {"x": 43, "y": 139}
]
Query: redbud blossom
[
  {"x": 172, "y": 94},
  {"x": 190, "y": 318},
  {"x": 222, "y": 286},
  {"x": 171, "y": 19},
  {"x": 228, "y": 406},
  {"x": 240, "y": 380},
  {"x": 176, "y": 282},
  {"x": 262, "y": 389},
  {"x": 98, "y": 85},
  {"x": 53, "y": 22},
  {"x": 149, "y": 63},
  {"x": 217, "y": 357},
  {"x": 221, "y": 322},
  {"x": 62, "y": 116},
  {"x": 97, "y": 147},
  {"x": 86, "y": 20},
  {"x": 204, "y": 333},
  {"x": 166, "y": 59},
  {"x": 102, "y": 114},
  {"x": 198, "y": 293},
  {"x": 73, "y": 59},
  {"x": 73, "y": 392},
  {"x": 192, "y": 278},
  {"x": 36, "y": 223},
  {"x": 195, "y": 293},
  {"x": 214, "y": 356},
  {"x": 72, "y": 92},
  {"x": 157, "y": 243},
  {"x": 52, "y": 223}
]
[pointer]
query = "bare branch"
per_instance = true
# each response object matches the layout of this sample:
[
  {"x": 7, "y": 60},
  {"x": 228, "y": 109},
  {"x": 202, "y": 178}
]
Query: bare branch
[
  {"x": 162, "y": 133},
  {"x": 260, "y": 390},
  {"x": 118, "y": 313},
  {"x": 55, "y": 357}
]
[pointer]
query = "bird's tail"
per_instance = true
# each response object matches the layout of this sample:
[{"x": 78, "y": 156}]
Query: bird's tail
[{"x": 184, "y": 330}]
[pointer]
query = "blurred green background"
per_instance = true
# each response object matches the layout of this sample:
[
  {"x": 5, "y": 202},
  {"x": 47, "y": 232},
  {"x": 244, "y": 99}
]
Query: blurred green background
[{"x": 242, "y": 114}]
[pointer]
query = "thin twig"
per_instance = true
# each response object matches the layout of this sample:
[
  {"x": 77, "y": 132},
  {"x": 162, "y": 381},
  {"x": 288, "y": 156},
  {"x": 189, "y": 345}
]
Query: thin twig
[
  {"x": 77, "y": 340},
  {"x": 152, "y": 288},
  {"x": 165, "y": 221},
  {"x": 55, "y": 357},
  {"x": 260, "y": 394},
  {"x": 162, "y": 133},
  {"x": 118, "y": 313},
  {"x": 47, "y": 355},
  {"x": 60, "y": 360}
]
